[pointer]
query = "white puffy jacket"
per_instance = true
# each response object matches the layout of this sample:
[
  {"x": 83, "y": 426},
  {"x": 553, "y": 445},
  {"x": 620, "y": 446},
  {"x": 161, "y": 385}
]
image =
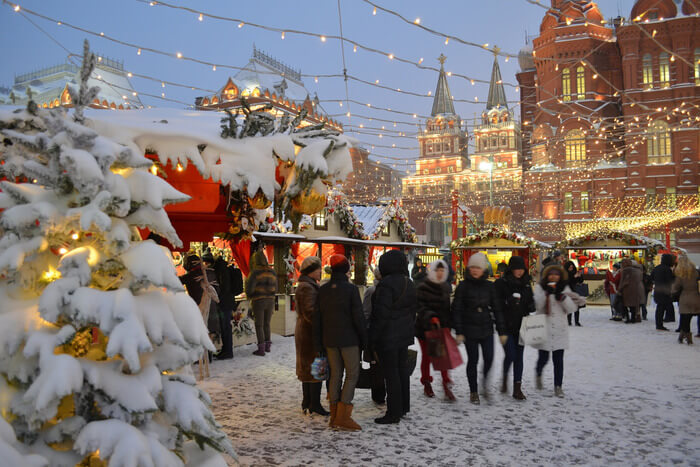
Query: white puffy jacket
[{"x": 558, "y": 326}]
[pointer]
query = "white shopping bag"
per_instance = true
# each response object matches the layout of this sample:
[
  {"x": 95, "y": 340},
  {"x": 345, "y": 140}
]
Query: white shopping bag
[{"x": 533, "y": 331}]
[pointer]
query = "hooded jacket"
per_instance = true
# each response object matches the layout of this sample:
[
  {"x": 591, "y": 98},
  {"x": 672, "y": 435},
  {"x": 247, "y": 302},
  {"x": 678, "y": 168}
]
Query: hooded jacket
[
  {"x": 662, "y": 275},
  {"x": 393, "y": 305},
  {"x": 556, "y": 303},
  {"x": 515, "y": 301},
  {"x": 433, "y": 301},
  {"x": 262, "y": 282},
  {"x": 473, "y": 306},
  {"x": 418, "y": 273}
]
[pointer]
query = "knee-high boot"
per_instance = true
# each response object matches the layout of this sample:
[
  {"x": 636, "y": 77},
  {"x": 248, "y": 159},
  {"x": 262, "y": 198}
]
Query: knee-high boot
[{"x": 315, "y": 399}]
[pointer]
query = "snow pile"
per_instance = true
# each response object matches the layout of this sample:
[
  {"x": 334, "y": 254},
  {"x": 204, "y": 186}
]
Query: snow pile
[{"x": 95, "y": 328}]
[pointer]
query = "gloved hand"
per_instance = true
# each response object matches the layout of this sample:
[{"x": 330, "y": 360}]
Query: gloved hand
[
  {"x": 503, "y": 340},
  {"x": 459, "y": 338}
]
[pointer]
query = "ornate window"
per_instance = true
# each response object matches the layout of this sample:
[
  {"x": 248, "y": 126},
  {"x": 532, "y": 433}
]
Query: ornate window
[
  {"x": 584, "y": 201},
  {"x": 581, "y": 82},
  {"x": 566, "y": 85},
  {"x": 575, "y": 146},
  {"x": 647, "y": 72},
  {"x": 697, "y": 66},
  {"x": 568, "y": 202},
  {"x": 504, "y": 140},
  {"x": 659, "y": 143},
  {"x": 664, "y": 70},
  {"x": 671, "y": 199}
]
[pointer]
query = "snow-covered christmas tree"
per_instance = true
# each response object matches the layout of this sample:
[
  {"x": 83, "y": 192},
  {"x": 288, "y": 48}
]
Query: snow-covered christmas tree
[{"x": 96, "y": 332}]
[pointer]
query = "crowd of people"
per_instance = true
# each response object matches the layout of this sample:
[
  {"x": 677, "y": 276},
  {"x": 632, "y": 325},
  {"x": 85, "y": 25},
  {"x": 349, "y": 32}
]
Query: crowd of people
[{"x": 334, "y": 323}]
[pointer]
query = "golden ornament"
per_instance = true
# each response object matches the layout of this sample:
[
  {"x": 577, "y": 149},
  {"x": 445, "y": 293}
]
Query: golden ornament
[
  {"x": 92, "y": 460},
  {"x": 309, "y": 202},
  {"x": 259, "y": 201}
]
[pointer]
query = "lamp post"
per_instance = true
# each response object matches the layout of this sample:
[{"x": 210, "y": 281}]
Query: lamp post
[{"x": 487, "y": 166}]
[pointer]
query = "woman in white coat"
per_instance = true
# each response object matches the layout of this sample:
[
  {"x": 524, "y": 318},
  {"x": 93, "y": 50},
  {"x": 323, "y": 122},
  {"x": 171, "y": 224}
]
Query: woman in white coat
[{"x": 554, "y": 298}]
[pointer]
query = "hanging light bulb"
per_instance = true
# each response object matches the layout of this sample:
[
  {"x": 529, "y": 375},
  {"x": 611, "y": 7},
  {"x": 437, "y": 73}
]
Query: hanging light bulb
[
  {"x": 201, "y": 18},
  {"x": 374, "y": 11}
]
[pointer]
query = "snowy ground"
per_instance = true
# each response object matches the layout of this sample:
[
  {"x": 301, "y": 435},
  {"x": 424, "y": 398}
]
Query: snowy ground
[{"x": 631, "y": 399}]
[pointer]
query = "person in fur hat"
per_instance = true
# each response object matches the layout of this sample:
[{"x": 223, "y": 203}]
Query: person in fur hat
[
  {"x": 472, "y": 314},
  {"x": 433, "y": 310},
  {"x": 514, "y": 293},
  {"x": 306, "y": 299},
  {"x": 554, "y": 298}
]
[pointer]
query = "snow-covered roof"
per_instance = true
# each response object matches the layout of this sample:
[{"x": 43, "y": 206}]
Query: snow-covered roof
[
  {"x": 48, "y": 84},
  {"x": 375, "y": 217},
  {"x": 259, "y": 75},
  {"x": 369, "y": 216}
]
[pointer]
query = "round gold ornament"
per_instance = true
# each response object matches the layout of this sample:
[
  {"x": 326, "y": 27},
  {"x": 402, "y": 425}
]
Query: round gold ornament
[
  {"x": 309, "y": 202},
  {"x": 259, "y": 201}
]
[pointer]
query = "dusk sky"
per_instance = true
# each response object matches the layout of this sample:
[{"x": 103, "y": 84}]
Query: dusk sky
[{"x": 497, "y": 22}]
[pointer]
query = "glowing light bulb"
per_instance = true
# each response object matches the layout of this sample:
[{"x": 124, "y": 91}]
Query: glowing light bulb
[
  {"x": 374, "y": 11},
  {"x": 201, "y": 18},
  {"x": 179, "y": 55},
  {"x": 179, "y": 167},
  {"x": 16, "y": 8},
  {"x": 62, "y": 251},
  {"x": 282, "y": 35},
  {"x": 75, "y": 236},
  {"x": 323, "y": 38},
  {"x": 138, "y": 52},
  {"x": 417, "y": 21}
]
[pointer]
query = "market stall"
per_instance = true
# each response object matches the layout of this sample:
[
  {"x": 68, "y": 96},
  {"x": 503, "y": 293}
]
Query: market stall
[
  {"x": 596, "y": 253},
  {"x": 499, "y": 245}
]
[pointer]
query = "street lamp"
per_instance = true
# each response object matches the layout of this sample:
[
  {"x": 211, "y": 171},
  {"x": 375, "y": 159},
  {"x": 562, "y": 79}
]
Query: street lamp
[{"x": 487, "y": 166}]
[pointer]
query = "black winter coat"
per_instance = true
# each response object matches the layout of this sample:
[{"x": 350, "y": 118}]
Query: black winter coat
[
  {"x": 230, "y": 283},
  {"x": 662, "y": 275},
  {"x": 473, "y": 306},
  {"x": 433, "y": 301},
  {"x": 393, "y": 305},
  {"x": 510, "y": 312},
  {"x": 339, "y": 320}
]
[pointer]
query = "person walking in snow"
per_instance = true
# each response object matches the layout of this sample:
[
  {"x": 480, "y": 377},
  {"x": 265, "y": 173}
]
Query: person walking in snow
[
  {"x": 612, "y": 281},
  {"x": 685, "y": 287},
  {"x": 662, "y": 276},
  {"x": 631, "y": 289},
  {"x": 472, "y": 315},
  {"x": 340, "y": 331},
  {"x": 260, "y": 289},
  {"x": 306, "y": 299},
  {"x": 391, "y": 332},
  {"x": 230, "y": 284},
  {"x": 575, "y": 278},
  {"x": 433, "y": 310},
  {"x": 514, "y": 294},
  {"x": 375, "y": 368},
  {"x": 419, "y": 272},
  {"x": 554, "y": 298}
]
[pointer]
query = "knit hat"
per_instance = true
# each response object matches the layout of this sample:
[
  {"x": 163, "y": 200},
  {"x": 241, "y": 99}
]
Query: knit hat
[
  {"x": 516, "y": 262},
  {"x": 339, "y": 263},
  {"x": 310, "y": 264},
  {"x": 478, "y": 260}
]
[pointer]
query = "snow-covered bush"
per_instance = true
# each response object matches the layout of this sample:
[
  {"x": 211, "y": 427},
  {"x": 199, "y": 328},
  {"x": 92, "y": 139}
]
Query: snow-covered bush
[{"x": 96, "y": 332}]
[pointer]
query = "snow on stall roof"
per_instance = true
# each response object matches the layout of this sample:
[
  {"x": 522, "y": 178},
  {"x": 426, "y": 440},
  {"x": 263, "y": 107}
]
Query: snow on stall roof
[
  {"x": 369, "y": 216},
  {"x": 257, "y": 74}
]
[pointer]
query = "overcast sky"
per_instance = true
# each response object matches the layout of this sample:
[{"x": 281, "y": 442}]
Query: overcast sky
[{"x": 500, "y": 22}]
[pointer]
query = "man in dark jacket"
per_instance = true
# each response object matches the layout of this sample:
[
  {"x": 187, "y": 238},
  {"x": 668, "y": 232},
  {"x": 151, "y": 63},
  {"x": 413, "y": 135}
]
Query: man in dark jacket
[
  {"x": 391, "y": 330},
  {"x": 575, "y": 278},
  {"x": 230, "y": 284},
  {"x": 662, "y": 276},
  {"x": 419, "y": 272},
  {"x": 340, "y": 329},
  {"x": 514, "y": 294},
  {"x": 472, "y": 309},
  {"x": 260, "y": 289}
]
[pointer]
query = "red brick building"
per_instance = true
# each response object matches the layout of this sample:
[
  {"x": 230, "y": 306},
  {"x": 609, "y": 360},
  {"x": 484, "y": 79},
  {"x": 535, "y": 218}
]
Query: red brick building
[
  {"x": 612, "y": 112},
  {"x": 370, "y": 181}
]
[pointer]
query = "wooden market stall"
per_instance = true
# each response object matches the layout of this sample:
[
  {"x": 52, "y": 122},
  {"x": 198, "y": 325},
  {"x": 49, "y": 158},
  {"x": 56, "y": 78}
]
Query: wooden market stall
[{"x": 499, "y": 245}]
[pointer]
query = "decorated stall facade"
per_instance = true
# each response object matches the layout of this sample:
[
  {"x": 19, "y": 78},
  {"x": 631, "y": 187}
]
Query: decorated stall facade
[{"x": 499, "y": 245}]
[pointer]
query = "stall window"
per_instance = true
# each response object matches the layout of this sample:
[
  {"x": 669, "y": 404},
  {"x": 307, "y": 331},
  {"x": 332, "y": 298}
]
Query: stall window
[
  {"x": 584, "y": 201},
  {"x": 386, "y": 230},
  {"x": 671, "y": 199},
  {"x": 568, "y": 202},
  {"x": 320, "y": 221}
]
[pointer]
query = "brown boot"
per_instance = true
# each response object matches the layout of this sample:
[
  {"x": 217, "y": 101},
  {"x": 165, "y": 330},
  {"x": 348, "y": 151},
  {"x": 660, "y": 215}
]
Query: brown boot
[
  {"x": 343, "y": 418},
  {"x": 518, "y": 392},
  {"x": 334, "y": 413},
  {"x": 689, "y": 338}
]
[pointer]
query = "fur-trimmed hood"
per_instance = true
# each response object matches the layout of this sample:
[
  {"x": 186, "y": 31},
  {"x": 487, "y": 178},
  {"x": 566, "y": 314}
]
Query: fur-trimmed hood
[
  {"x": 432, "y": 271},
  {"x": 564, "y": 276}
]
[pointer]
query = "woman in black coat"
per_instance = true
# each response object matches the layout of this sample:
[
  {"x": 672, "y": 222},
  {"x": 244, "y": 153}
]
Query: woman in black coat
[
  {"x": 472, "y": 309},
  {"x": 433, "y": 311},
  {"x": 391, "y": 331},
  {"x": 514, "y": 294},
  {"x": 574, "y": 280}
]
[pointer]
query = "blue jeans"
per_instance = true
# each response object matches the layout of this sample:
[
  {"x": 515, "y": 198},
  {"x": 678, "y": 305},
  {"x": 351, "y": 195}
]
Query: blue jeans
[
  {"x": 612, "y": 303},
  {"x": 472, "y": 346},
  {"x": 514, "y": 354},
  {"x": 557, "y": 359}
]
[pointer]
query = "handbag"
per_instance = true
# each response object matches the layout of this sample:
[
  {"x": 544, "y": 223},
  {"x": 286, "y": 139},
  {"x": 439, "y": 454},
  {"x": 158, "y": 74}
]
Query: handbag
[
  {"x": 449, "y": 357},
  {"x": 533, "y": 330},
  {"x": 319, "y": 369}
]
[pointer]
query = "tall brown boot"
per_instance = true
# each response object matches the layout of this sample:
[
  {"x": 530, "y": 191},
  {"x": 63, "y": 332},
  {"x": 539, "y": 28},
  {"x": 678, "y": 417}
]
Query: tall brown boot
[
  {"x": 518, "y": 392},
  {"x": 689, "y": 338},
  {"x": 334, "y": 414},
  {"x": 344, "y": 419}
]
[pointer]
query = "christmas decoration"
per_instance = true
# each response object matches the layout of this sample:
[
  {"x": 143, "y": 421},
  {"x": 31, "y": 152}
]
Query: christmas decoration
[
  {"x": 96, "y": 332},
  {"x": 259, "y": 201},
  {"x": 496, "y": 233}
]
